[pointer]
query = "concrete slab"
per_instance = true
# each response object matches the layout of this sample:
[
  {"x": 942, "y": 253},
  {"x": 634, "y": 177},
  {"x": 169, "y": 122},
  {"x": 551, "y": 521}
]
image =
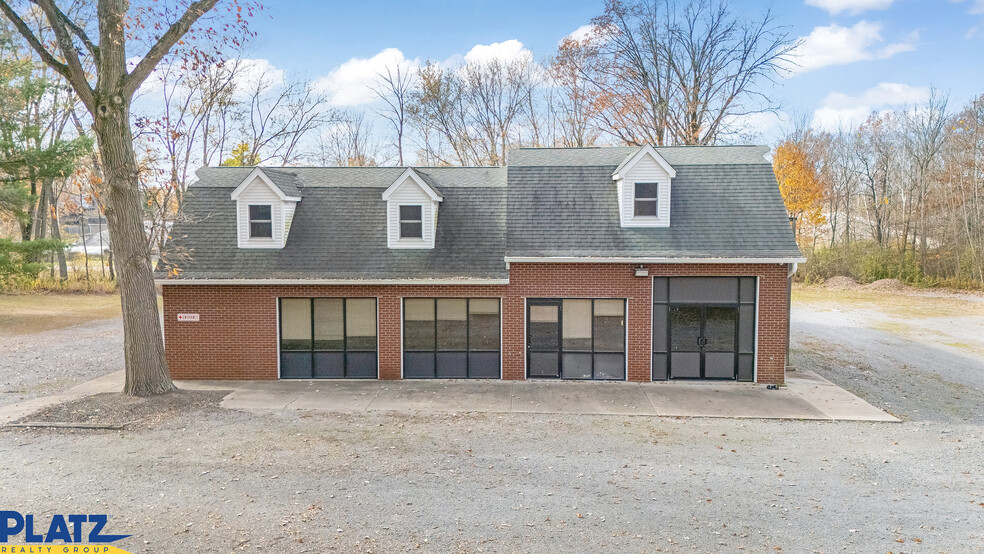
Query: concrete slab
[
  {"x": 806, "y": 396},
  {"x": 112, "y": 382},
  {"x": 728, "y": 400},
  {"x": 258, "y": 400},
  {"x": 13, "y": 412},
  {"x": 566, "y": 397},
  {"x": 835, "y": 402},
  {"x": 343, "y": 396},
  {"x": 444, "y": 396}
]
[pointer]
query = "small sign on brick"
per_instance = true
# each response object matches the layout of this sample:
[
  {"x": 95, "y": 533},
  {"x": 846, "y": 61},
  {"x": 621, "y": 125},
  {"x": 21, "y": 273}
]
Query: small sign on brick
[{"x": 187, "y": 317}]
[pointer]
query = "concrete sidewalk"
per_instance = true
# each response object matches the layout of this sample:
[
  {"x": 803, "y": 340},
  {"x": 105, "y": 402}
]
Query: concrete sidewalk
[{"x": 806, "y": 396}]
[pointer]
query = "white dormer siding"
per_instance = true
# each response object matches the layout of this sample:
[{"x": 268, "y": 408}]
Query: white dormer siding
[
  {"x": 411, "y": 190},
  {"x": 258, "y": 190},
  {"x": 646, "y": 166}
]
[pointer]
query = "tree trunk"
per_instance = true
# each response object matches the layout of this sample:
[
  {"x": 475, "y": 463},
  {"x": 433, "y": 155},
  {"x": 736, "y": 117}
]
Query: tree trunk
[
  {"x": 56, "y": 231},
  {"x": 146, "y": 367}
]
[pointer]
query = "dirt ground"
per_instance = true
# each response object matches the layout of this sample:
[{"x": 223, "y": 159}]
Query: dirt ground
[{"x": 186, "y": 474}]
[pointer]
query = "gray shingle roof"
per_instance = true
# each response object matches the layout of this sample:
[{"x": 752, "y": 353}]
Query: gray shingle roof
[
  {"x": 558, "y": 203},
  {"x": 731, "y": 211},
  {"x": 615, "y": 155},
  {"x": 357, "y": 177},
  {"x": 284, "y": 179},
  {"x": 340, "y": 233}
]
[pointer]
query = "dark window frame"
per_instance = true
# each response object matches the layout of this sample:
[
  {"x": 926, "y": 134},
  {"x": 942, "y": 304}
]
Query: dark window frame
[
  {"x": 636, "y": 199},
  {"x": 345, "y": 350},
  {"x": 253, "y": 221},
  {"x": 593, "y": 351},
  {"x": 401, "y": 221},
  {"x": 468, "y": 332},
  {"x": 744, "y": 304}
]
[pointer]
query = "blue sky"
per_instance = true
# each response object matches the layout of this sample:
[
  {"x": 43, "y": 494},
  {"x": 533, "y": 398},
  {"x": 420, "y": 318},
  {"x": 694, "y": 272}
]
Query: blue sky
[{"x": 859, "y": 55}]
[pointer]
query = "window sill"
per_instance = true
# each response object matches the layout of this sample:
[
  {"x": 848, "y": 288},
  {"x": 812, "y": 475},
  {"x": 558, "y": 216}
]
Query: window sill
[{"x": 411, "y": 244}]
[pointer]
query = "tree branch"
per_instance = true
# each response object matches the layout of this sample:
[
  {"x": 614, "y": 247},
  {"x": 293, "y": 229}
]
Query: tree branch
[
  {"x": 32, "y": 40},
  {"x": 163, "y": 45},
  {"x": 75, "y": 72},
  {"x": 77, "y": 31}
]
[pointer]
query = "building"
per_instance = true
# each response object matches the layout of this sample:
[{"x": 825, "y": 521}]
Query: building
[{"x": 617, "y": 263}]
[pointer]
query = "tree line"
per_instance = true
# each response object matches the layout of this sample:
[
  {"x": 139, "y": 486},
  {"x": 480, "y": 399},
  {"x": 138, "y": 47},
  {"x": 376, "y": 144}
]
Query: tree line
[
  {"x": 81, "y": 113},
  {"x": 899, "y": 196}
]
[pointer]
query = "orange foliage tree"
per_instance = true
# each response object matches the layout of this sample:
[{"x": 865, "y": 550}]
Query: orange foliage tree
[{"x": 802, "y": 188}]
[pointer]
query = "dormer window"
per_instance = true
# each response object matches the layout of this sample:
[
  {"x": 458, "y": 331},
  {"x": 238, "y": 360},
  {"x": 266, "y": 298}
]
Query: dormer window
[
  {"x": 411, "y": 212},
  {"x": 643, "y": 182},
  {"x": 260, "y": 221},
  {"x": 264, "y": 208},
  {"x": 411, "y": 222},
  {"x": 646, "y": 200}
]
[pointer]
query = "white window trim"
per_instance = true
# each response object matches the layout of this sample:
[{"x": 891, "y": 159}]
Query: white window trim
[
  {"x": 250, "y": 221},
  {"x": 656, "y": 201},
  {"x": 428, "y": 203},
  {"x": 400, "y": 220}
]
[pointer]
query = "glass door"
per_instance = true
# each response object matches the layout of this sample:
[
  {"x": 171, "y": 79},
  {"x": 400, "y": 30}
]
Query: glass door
[
  {"x": 686, "y": 351},
  {"x": 703, "y": 341},
  {"x": 720, "y": 332},
  {"x": 543, "y": 338}
]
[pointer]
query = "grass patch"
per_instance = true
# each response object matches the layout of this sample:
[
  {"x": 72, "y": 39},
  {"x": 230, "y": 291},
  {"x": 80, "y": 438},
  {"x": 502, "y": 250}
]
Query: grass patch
[
  {"x": 908, "y": 304},
  {"x": 34, "y": 313},
  {"x": 961, "y": 345}
]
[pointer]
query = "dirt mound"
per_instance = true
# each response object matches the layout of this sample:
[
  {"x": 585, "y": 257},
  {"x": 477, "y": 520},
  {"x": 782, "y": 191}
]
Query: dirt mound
[
  {"x": 887, "y": 285},
  {"x": 841, "y": 283}
]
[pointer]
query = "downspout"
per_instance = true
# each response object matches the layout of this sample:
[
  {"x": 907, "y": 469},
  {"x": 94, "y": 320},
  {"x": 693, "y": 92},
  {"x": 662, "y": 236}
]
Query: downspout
[{"x": 789, "y": 298}]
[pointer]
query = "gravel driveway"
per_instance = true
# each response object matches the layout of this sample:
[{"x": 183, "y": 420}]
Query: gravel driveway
[
  {"x": 40, "y": 364},
  {"x": 221, "y": 480}
]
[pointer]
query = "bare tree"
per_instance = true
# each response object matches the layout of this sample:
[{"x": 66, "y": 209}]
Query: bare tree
[
  {"x": 439, "y": 111},
  {"x": 349, "y": 143},
  {"x": 924, "y": 138},
  {"x": 667, "y": 74},
  {"x": 108, "y": 100},
  {"x": 277, "y": 117},
  {"x": 574, "y": 108},
  {"x": 499, "y": 92},
  {"x": 477, "y": 111},
  {"x": 396, "y": 85}
]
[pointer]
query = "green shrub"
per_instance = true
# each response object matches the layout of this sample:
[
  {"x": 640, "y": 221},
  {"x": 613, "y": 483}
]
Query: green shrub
[
  {"x": 19, "y": 260},
  {"x": 867, "y": 261}
]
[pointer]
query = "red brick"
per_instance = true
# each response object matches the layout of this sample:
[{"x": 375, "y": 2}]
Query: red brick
[{"x": 236, "y": 337}]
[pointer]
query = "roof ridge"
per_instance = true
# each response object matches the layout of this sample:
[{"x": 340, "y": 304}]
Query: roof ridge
[{"x": 404, "y": 167}]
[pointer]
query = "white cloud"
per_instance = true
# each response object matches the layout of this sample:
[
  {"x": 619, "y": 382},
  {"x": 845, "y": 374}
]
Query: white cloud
[
  {"x": 349, "y": 84},
  {"x": 253, "y": 72},
  {"x": 581, "y": 33},
  {"x": 976, "y": 6},
  {"x": 506, "y": 50},
  {"x": 836, "y": 45},
  {"x": 249, "y": 74},
  {"x": 850, "y": 6},
  {"x": 839, "y": 110}
]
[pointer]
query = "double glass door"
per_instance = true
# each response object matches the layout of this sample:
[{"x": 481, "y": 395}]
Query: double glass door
[{"x": 703, "y": 341}]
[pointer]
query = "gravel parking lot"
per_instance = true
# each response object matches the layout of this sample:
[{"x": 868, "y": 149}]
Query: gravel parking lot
[
  {"x": 201, "y": 477},
  {"x": 48, "y": 362}
]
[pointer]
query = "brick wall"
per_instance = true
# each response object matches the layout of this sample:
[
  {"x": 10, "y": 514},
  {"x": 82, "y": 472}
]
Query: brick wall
[{"x": 236, "y": 337}]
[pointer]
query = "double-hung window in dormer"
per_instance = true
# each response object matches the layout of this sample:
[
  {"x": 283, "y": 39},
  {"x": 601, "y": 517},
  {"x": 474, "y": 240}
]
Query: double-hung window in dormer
[
  {"x": 646, "y": 200},
  {"x": 411, "y": 222},
  {"x": 260, "y": 221}
]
